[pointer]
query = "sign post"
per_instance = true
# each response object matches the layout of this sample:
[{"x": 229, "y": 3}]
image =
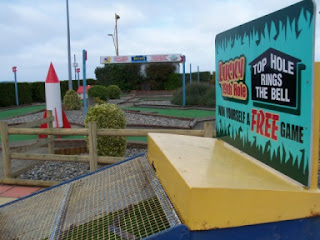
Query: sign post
[
  {"x": 14, "y": 70},
  {"x": 265, "y": 89},
  {"x": 84, "y": 59}
]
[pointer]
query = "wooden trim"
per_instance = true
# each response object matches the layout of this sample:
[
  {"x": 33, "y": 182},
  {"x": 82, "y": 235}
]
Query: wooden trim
[
  {"x": 93, "y": 155},
  {"x": 35, "y": 123},
  {"x": 28, "y": 182},
  {"x": 39, "y": 143},
  {"x": 5, "y": 149},
  {"x": 50, "y": 126}
]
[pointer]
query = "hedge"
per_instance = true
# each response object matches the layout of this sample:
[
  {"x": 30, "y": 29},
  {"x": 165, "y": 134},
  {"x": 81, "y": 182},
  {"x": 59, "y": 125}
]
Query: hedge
[{"x": 32, "y": 92}]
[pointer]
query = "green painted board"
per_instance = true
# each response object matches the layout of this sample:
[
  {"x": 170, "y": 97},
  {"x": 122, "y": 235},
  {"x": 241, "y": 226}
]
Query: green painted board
[{"x": 264, "y": 89}]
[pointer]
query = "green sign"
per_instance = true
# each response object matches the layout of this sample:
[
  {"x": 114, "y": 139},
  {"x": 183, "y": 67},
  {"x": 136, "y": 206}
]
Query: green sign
[{"x": 264, "y": 89}]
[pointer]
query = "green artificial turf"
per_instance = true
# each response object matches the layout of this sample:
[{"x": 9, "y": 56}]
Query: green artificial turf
[
  {"x": 4, "y": 114},
  {"x": 189, "y": 113},
  {"x": 139, "y": 221}
]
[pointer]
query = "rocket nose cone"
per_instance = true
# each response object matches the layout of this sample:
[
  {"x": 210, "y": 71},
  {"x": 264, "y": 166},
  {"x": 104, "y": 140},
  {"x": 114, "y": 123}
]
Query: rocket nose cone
[{"x": 52, "y": 76}]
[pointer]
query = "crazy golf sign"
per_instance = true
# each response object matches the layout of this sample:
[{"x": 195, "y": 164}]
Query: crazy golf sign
[{"x": 264, "y": 89}]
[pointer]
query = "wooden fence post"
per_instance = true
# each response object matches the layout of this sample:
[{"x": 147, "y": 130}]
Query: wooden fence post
[
  {"x": 208, "y": 130},
  {"x": 51, "y": 143},
  {"x": 5, "y": 149},
  {"x": 93, "y": 154}
]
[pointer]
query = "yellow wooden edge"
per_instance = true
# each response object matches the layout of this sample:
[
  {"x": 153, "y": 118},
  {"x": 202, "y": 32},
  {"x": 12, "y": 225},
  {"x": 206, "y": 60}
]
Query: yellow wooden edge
[
  {"x": 204, "y": 201},
  {"x": 316, "y": 109}
]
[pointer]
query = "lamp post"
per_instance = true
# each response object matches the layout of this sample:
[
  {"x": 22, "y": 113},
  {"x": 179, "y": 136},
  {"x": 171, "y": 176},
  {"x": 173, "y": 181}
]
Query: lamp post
[
  {"x": 69, "y": 53},
  {"x": 116, "y": 16},
  {"x": 114, "y": 44}
]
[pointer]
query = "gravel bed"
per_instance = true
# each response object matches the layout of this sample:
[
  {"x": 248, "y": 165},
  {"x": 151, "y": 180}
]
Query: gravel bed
[
  {"x": 61, "y": 171},
  {"x": 157, "y": 103},
  {"x": 76, "y": 117}
]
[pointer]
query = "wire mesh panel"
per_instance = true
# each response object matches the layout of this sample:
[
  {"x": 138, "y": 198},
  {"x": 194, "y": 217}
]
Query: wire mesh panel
[{"x": 124, "y": 201}]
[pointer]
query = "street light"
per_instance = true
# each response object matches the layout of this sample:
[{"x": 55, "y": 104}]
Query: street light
[
  {"x": 114, "y": 44},
  {"x": 69, "y": 52},
  {"x": 116, "y": 16}
]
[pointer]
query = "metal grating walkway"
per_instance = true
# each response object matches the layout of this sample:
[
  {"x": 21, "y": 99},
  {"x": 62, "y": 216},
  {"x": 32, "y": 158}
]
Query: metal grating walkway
[{"x": 124, "y": 201}]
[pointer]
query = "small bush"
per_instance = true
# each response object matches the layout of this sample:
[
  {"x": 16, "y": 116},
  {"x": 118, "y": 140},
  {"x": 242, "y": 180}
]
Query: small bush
[
  {"x": 71, "y": 101},
  {"x": 114, "y": 91},
  {"x": 174, "y": 81},
  {"x": 98, "y": 101},
  {"x": 108, "y": 116},
  {"x": 196, "y": 94},
  {"x": 99, "y": 91}
]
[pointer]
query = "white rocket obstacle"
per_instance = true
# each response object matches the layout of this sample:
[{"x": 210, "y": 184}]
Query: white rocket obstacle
[
  {"x": 53, "y": 97},
  {"x": 53, "y": 101}
]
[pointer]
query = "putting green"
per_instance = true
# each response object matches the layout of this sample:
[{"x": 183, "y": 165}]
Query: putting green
[
  {"x": 189, "y": 113},
  {"x": 4, "y": 114}
]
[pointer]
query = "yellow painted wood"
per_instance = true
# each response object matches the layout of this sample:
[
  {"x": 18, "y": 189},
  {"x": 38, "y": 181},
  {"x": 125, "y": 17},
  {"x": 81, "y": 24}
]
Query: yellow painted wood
[
  {"x": 316, "y": 121},
  {"x": 213, "y": 185}
]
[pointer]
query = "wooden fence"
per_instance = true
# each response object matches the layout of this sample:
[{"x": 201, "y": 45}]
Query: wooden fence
[{"x": 92, "y": 132}]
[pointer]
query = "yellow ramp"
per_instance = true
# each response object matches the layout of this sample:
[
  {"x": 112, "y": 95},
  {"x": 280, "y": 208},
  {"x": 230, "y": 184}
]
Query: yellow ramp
[{"x": 213, "y": 185}]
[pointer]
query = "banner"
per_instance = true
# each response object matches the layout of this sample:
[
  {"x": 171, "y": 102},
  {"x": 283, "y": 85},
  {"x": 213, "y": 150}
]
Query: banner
[{"x": 141, "y": 59}]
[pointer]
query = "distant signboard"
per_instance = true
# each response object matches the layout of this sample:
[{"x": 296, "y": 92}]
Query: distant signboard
[
  {"x": 141, "y": 59},
  {"x": 264, "y": 89},
  {"x": 14, "y": 69}
]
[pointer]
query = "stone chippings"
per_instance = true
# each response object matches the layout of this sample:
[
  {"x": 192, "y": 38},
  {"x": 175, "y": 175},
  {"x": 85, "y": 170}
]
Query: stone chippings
[
  {"x": 61, "y": 171},
  {"x": 76, "y": 117}
]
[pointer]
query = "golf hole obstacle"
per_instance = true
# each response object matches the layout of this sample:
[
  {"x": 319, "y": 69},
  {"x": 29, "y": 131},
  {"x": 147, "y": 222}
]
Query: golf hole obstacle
[{"x": 219, "y": 188}]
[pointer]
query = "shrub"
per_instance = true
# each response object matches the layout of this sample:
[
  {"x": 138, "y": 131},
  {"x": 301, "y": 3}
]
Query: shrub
[
  {"x": 99, "y": 91},
  {"x": 114, "y": 91},
  {"x": 38, "y": 91},
  {"x": 71, "y": 101},
  {"x": 108, "y": 116},
  {"x": 174, "y": 81},
  {"x": 7, "y": 93},
  {"x": 98, "y": 101},
  {"x": 126, "y": 76},
  {"x": 158, "y": 73},
  {"x": 25, "y": 93},
  {"x": 196, "y": 94}
]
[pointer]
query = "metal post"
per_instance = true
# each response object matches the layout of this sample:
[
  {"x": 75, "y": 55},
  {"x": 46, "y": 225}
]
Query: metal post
[
  {"x": 69, "y": 53},
  {"x": 84, "y": 55},
  {"x": 198, "y": 75},
  {"x": 75, "y": 65},
  {"x": 16, "y": 88},
  {"x": 116, "y": 28},
  {"x": 78, "y": 79},
  {"x": 184, "y": 81},
  {"x": 190, "y": 74}
]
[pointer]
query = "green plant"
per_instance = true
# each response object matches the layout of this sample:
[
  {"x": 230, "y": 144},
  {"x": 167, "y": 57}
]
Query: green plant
[
  {"x": 126, "y": 76},
  {"x": 173, "y": 82},
  {"x": 38, "y": 91},
  {"x": 158, "y": 73},
  {"x": 114, "y": 91},
  {"x": 98, "y": 101},
  {"x": 99, "y": 91},
  {"x": 71, "y": 101},
  {"x": 108, "y": 116},
  {"x": 196, "y": 94}
]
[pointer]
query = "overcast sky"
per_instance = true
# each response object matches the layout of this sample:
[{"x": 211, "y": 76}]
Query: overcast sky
[{"x": 34, "y": 32}]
